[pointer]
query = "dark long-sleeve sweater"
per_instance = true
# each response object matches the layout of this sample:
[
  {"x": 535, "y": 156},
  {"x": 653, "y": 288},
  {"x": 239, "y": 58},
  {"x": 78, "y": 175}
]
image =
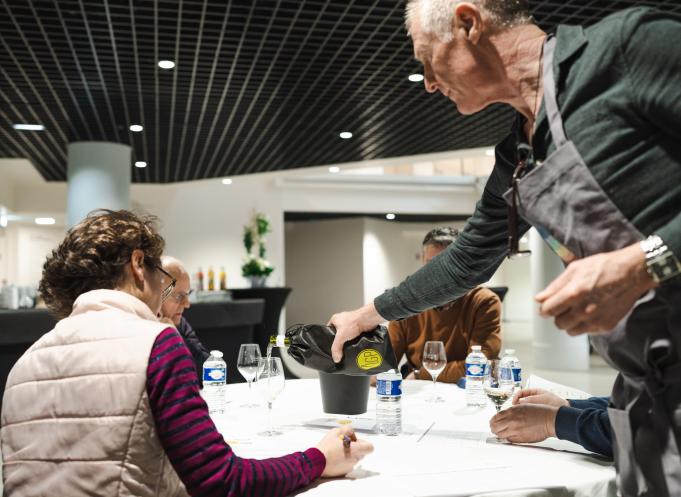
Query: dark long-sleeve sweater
[
  {"x": 586, "y": 423},
  {"x": 198, "y": 351}
]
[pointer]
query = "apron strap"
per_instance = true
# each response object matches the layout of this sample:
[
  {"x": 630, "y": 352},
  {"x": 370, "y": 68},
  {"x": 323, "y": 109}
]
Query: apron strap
[{"x": 552, "y": 110}]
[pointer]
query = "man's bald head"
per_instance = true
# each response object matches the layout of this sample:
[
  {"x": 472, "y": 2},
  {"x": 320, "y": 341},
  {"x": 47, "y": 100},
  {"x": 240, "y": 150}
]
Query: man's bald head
[
  {"x": 178, "y": 301},
  {"x": 174, "y": 266}
]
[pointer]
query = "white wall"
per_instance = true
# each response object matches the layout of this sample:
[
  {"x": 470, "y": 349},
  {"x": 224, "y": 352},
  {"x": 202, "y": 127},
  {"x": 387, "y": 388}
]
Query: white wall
[
  {"x": 202, "y": 221},
  {"x": 27, "y": 248},
  {"x": 324, "y": 268}
]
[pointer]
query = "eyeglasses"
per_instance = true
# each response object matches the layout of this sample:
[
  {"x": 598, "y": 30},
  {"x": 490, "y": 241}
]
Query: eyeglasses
[
  {"x": 180, "y": 297},
  {"x": 525, "y": 161},
  {"x": 169, "y": 289}
]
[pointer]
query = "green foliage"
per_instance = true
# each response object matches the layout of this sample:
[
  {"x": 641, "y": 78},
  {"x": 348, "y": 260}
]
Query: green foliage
[{"x": 255, "y": 264}]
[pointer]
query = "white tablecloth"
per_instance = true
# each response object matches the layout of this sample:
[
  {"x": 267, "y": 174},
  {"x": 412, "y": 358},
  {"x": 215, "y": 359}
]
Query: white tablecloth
[{"x": 455, "y": 457}]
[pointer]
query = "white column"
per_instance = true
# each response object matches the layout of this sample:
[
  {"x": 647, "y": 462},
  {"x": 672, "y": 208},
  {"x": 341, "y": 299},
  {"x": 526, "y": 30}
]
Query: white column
[
  {"x": 98, "y": 178},
  {"x": 552, "y": 348}
]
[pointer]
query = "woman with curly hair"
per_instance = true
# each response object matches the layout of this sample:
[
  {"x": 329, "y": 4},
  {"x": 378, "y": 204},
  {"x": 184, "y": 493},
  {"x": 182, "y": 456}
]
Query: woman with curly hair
[{"x": 107, "y": 403}]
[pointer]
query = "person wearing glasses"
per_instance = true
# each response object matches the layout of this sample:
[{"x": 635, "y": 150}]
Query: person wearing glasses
[
  {"x": 593, "y": 162},
  {"x": 174, "y": 306},
  {"x": 107, "y": 403},
  {"x": 473, "y": 319}
]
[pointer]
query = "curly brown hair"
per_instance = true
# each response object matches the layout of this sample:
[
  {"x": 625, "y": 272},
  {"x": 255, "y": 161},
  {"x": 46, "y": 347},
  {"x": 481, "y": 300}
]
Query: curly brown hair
[{"x": 94, "y": 254}]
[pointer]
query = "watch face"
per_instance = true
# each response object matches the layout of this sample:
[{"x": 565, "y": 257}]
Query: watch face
[{"x": 664, "y": 267}]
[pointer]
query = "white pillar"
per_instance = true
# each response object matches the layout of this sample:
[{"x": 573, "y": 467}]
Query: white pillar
[
  {"x": 552, "y": 348},
  {"x": 98, "y": 178}
]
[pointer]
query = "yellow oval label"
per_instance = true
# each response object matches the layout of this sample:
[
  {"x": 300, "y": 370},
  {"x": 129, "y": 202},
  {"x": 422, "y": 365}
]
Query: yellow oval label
[{"x": 369, "y": 359}]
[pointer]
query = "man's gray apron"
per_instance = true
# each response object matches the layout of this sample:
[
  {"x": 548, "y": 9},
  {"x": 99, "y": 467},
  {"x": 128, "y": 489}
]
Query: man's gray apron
[{"x": 563, "y": 200}]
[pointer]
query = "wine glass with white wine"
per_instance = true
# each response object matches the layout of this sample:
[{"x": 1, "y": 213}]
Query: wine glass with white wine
[
  {"x": 270, "y": 384},
  {"x": 497, "y": 387},
  {"x": 247, "y": 364},
  {"x": 434, "y": 360}
]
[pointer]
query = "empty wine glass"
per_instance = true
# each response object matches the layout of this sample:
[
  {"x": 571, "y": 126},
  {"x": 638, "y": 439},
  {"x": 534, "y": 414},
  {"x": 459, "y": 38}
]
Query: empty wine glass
[
  {"x": 498, "y": 384},
  {"x": 270, "y": 384},
  {"x": 434, "y": 360},
  {"x": 247, "y": 364}
]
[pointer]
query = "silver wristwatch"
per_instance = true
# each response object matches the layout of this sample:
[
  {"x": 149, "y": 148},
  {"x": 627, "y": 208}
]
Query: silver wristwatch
[{"x": 661, "y": 263}]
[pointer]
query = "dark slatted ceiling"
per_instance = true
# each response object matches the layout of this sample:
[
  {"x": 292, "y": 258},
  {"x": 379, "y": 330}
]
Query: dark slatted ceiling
[{"x": 259, "y": 85}]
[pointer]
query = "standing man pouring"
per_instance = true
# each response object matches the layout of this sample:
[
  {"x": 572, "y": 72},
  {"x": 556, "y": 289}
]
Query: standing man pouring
[{"x": 593, "y": 161}]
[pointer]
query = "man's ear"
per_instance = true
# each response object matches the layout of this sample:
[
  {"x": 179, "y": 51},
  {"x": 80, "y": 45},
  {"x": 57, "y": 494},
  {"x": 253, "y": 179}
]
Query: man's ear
[
  {"x": 467, "y": 17},
  {"x": 137, "y": 265}
]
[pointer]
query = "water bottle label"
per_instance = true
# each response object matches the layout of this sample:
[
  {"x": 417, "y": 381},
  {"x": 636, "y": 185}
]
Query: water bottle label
[
  {"x": 516, "y": 374},
  {"x": 475, "y": 369},
  {"x": 506, "y": 374},
  {"x": 389, "y": 387},
  {"x": 214, "y": 374}
]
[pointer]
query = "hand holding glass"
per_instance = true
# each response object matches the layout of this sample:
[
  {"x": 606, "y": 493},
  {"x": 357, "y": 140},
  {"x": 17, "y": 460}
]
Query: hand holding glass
[
  {"x": 270, "y": 384},
  {"x": 434, "y": 360},
  {"x": 247, "y": 363}
]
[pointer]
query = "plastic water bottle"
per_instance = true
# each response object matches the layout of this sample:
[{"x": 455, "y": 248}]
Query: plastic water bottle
[
  {"x": 511, "y": 371},
  {"x": 215, "y": 382},
  {"x": 476, "y": 363},
  {"x": 389, "y": 403}
]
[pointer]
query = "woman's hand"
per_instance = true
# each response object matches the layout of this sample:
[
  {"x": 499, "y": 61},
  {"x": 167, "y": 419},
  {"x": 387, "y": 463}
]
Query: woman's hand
[
  {"x": 342, "y": 457},
  {"x": 351, "y": 324}
]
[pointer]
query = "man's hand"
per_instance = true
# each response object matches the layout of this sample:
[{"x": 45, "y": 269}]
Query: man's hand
[
  {"x": 538, "y": 396},
  {"x": 525, "y": 423},
  {"x": 593, "y": 294},
  {"x": 351, "y": 324}
]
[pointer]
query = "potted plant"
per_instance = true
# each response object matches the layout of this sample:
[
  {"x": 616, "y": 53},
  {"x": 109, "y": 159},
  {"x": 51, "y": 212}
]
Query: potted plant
[{"x": 256, "y": 267}]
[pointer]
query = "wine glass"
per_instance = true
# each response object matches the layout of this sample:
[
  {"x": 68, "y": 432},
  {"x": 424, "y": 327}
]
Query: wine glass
[
  {"x": 498, "y": 383},
  {"x": 434, "y": 360},
  {"x": 247, "y": 364},
  {"x": 270, "y": 384}
]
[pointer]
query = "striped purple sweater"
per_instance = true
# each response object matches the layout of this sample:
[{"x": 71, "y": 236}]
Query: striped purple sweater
[{"x": 205, "y": 463}]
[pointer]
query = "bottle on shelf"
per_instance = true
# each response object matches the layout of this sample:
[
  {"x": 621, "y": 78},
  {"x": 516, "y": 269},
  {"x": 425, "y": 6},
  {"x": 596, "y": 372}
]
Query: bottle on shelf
[
  {"x": 199, "y": 280},
  {"x": 223, "y": 279},
  {"x": 211, "y": 279}
]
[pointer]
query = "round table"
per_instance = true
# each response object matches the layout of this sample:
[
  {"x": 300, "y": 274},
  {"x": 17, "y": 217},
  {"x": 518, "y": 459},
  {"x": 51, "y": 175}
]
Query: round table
[{"x": 445, "y": 449}]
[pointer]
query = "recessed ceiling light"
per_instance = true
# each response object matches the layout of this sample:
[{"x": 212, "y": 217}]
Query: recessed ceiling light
[
  {"x": 489, "y": 152},
  {"x": 136, "y": 128},
  {"x": 390, "y": 216},
  {"x": 226, "y": 181},
  {"x": 345, "y": 135},
  {"x": 416, "y": 78},
  {"x": 28, "y": 127},
  {"x": 44, "y": 220},
  {"x": 334, "y": 169},
  {"x": 166, "y": 64},
  {"x": 140, "y": 164}
]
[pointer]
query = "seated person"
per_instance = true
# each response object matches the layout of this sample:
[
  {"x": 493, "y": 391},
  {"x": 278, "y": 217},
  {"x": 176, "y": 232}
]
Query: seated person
[
  {"x": 174, "y": 306},
  {"x": 107, "y": 403},
  {"x": 473, "y": 319},
  {"x": 537, "y": 414}
]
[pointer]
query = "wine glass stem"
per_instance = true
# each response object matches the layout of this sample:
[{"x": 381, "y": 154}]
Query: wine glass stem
[
  {"x": 434, "y": 388},
  {"x": 269, "y": 417}
]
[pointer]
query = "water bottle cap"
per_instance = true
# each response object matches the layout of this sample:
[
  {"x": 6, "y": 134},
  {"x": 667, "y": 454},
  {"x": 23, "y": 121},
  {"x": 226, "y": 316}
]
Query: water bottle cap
[
  {"x": 216, "y": 353},
  {"x": 476, "y": 348}
]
